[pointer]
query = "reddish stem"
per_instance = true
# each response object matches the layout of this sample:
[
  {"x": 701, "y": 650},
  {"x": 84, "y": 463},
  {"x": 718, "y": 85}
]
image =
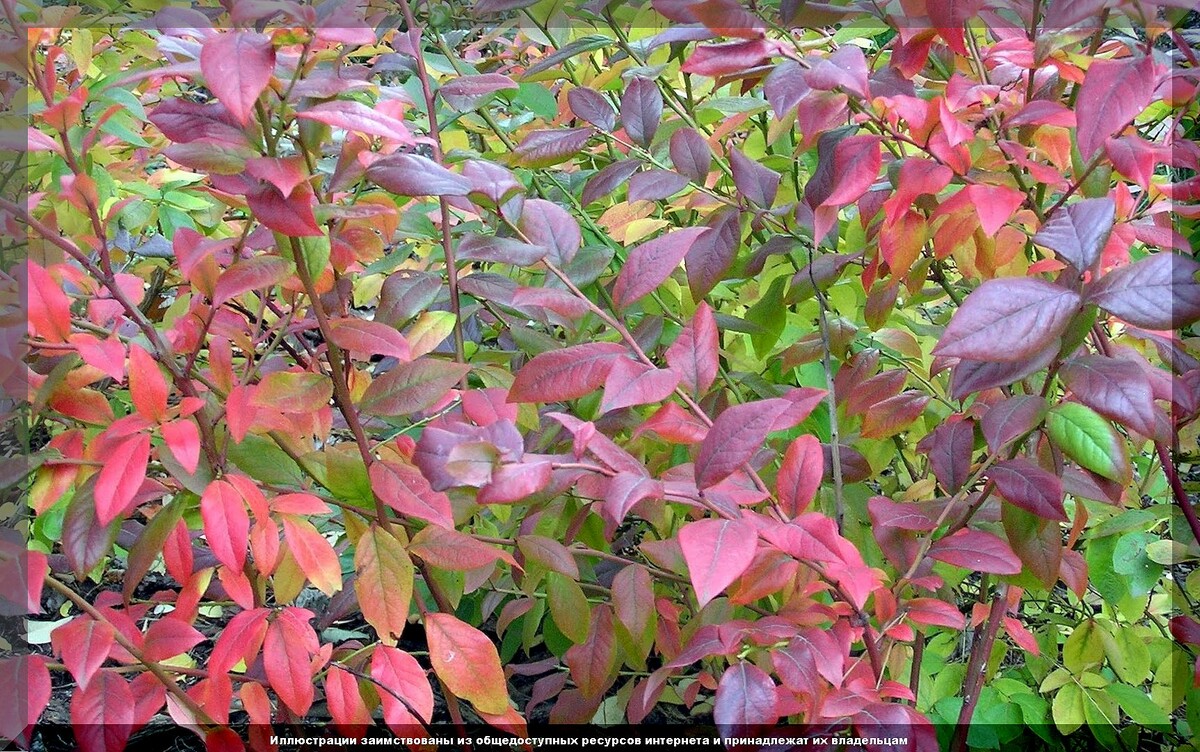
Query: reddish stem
[
  {"x": 1180, "y": 493},
  {"x": 977, "y": 668}
]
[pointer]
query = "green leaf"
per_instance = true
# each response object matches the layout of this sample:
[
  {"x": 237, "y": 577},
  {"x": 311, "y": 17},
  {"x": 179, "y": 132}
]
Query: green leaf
[
  {"x": 1083, "y": 648},
  {"x": 568, "y": 606},
  {"x": 1067, "y": 708},
  {"x": 1138, "y": 706},
  {"x": 263, "y": 460},
  {"x": 1126, "y": 652},
  {"x": 770, "y": 314},
  {"x": 1131, "y": 561},
  {"x": 1088, "y": 439},
  {"x": 1099, "y": 555}
]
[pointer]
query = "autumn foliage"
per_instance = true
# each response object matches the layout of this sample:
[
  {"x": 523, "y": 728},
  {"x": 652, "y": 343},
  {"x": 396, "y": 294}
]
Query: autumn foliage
[{"x": 668, "y": 362}]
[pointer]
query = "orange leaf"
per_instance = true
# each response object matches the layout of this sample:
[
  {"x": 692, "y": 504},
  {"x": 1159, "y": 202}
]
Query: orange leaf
[{"x": 467, "y": 662}]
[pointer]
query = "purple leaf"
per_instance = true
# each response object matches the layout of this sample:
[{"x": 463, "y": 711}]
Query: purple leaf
[
  {"x": 745, "y": 699},
  {"x": 1007, "y": 320},
  {"x": 976, "y": 550},
  {"x": 414, "y": 175},
  {"x": 549, "y": 226},
  {"x": 641, "y": 110},
  {"x": 1014, "y": 417},
  {"x": 1117, "y": 389},
  {"x": 549, "y": 147},
  {"x": 468, "y": 92},
  {"x": 713, "y": 253},
  {"x": 690, "y": 154},
  {"x": 649, "y": 264},
  {"x": 499, "y": 250},
  {"x": 1158, "y": 292},
  {"x": 757, "y": 183},
  {"x": 1113, "y": 93},
  {"x": 654, "y": 185},
  {"x": 736, "y": 435},
  {"x": 591, "y": 106},
  {"x": 1078, "y": 232},
  {"x": 606, "y": 181},
  {"x": 1028, "y": 486}
]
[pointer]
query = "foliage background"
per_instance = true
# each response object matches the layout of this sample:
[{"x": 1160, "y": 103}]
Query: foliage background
[{"x": 314, "y": 395}]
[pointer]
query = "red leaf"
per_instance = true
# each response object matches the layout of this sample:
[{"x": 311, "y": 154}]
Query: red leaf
[
  {"x": 226, "y": 523},
  {"x": 467, "y": 662},
  {"x": 935, "y": 613},
  {"x": 412, "y": 387},
  {"x": 1113, "y": 93},
  {"x": 313, "y": 553},
  {"x": 237, "y": 67},
  {"x": 732, "y": 57},
  {"x": 1079, "y": 231},
  {"x": 399, "y": 675},
  {"x": 716, "y": 552},
  {"x": 675, "y": 425},
  {"x": 106, "y": 354},
  {"x": 632, "y": 383},
  {"x": 734, "y": 438},
  {"x": 1007, "y": 320},
  {"x": 102, "y": 714},
  {"x": 800, "y": 475},
  {"x": 29, "y": 673},
  {"x": 254, "y": 273},
  {"x": 593, "y": 662},
  {"x": 240, "y": 640},
  {"x": 449, "y": 549},
  {"x": 624, "y": 490},
  {"x": 403, "y": 488},
  {"x": 1157, "y": 292},
  {"x": 183, "y": 439},
  {"x": 515, "y": 481},
  {"x": 359, "y": 118},
  {"x": 950, "y": 18},
  {"x": 976, "y": 550},
  {"x": 565, "y": 374},
  {"x": 290, "y": 215},
  {"x": 345, "y": 702},
  {"x": 694, "y": 354},
  {"x": 893, "y": 415},
  {"x": 745, "y": 699},
  {"x": 287, "y": 660},
  {"x": 414, "y": 175},
  {"x": 651, "y": 263},
  {"x": 1185, "y": 629},
  {"x": 122, "y": 475},
  {"x": 550, "y": 553},
  {"x": 48, "y": 309},
  {"x": 223, "y": 739},
  {"x": 1031, "y": 488},
  {"x": 167, "y": 638},
  {"x": 641, "y": 110},
  {"x": 856, "y": 163},
  {"x": 293, "y": 392},
  {"x": 83, "y": 644}
]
